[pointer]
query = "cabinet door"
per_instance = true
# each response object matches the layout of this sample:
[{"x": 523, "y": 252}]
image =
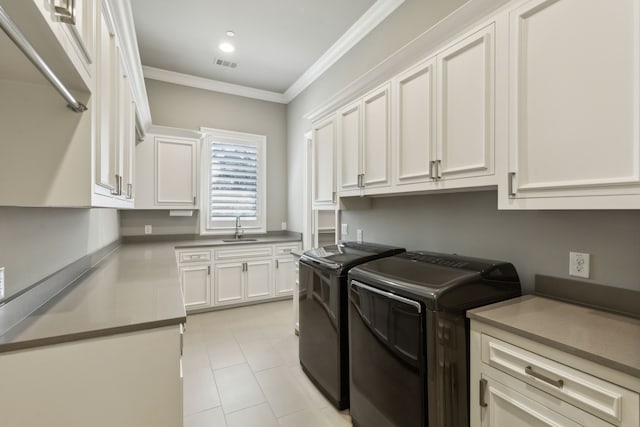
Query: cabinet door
[
  {"x": 350, "y": 143},
  {"x": 507, "y": 407},
  {"x": 466, "y": 107},
  {"x": 258, "y": 279},
  {"x": 574, "y": 82},
  {"x": 415, "y": 137},
  {"x": 79, "y": 19},
  {"x": 285, "y": 276},
  {"x": 195, "y": 280},
  {"x": 126, "y": 143},
  {"x": 228, "y": 283},
  {"x": 376, "y": 134},
  {"x": 107, "y": 96},
  {"x": 324, "y": 182},
  {"x": 175, "y": 175}
]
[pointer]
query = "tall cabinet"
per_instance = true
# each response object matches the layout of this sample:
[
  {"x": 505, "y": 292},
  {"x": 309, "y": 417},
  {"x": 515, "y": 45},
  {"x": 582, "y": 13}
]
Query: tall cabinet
[{"x": 324, "y": 162}]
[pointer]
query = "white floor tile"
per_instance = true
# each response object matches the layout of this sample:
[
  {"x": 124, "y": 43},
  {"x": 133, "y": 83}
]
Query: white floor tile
[
  {"x": 238, "y": 388},
  {"x": 261, "y": 355},
  {"x": 257, "y": 416},
  {"x": 306, "y": 418},
  {"x": 199, "y": 390},
  {"x": 224, "y": 352},
  {"x": 209, "y": 418},
  {"x": 282, "y": 391}
]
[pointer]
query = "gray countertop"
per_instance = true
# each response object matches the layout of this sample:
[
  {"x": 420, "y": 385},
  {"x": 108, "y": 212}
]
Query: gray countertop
[
  {"x": 609, "y": 339},
  {"x": 136, "y": 287}
]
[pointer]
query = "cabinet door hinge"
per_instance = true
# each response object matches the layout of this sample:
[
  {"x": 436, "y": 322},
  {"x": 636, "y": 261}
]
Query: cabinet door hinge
[{"x": 483, "y": 393}]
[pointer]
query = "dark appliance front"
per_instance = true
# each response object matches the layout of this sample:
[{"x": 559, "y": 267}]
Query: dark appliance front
[
  {"x": 323, "y": 317},
  {"x": 408, "y": 336}
]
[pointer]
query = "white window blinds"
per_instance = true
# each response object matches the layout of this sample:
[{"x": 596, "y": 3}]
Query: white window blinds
[{"x": 234, "y": 181}]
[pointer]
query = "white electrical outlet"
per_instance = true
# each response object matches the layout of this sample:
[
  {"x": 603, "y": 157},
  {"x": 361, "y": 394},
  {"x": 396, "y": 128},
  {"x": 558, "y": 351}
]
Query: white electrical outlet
[
  {"x": 345, "y": 229},
  {"x": 284, "y": 225},
  {"x": 359, "y": 236},
  {"x": 579, "y": 264},
  {"x": 148, "y": 229},
  {"x": 1, "y": 282}
]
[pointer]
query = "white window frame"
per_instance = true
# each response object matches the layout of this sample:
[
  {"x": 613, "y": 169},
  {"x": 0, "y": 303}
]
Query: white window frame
[{"x": 207, "y": 227}]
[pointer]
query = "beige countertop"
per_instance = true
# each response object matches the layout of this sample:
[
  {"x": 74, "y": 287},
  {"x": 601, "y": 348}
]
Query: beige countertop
[
  {"x": 182, "y": 241},
  {"x": 136, "y": 287},
  {"x": 609, "y": 339}
]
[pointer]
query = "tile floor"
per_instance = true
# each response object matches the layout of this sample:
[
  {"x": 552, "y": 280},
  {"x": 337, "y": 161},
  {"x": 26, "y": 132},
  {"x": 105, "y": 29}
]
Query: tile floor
[{"x": 241, "y": 369}]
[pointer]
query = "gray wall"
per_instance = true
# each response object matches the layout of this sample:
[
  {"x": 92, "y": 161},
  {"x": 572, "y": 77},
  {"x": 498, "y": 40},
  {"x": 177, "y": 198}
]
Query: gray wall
[
  {"x": 190, "y": 108},
  {"x": 35, "y": 242},
  {"x": 534, "y": 241},
  {"x": 132, "y": 223},
  {"x": 465, "y": 223}
]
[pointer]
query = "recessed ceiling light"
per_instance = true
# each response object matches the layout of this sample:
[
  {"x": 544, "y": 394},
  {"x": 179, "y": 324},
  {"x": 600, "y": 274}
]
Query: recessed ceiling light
[
  {"x": 230, "y": 33},
  {"x": 226, "y": 47}
]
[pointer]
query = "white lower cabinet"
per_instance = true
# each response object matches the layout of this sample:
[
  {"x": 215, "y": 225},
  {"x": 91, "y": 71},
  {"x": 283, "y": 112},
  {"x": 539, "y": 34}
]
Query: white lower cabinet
[
  {"x": 516, "y": 382},
  {"x": 128, "y": 380},
  {"x": 196, "y": 285},
  {"x": 228, "y": 282},
  {"x": 235, "y": 275}
]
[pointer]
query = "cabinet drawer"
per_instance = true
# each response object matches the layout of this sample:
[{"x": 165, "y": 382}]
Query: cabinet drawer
[
  {"x": 194, "y": 256},
  {"x": 598, "y": 397},
  {"x": 245, "y": 252},
  {"x": 282, "y": 250}
]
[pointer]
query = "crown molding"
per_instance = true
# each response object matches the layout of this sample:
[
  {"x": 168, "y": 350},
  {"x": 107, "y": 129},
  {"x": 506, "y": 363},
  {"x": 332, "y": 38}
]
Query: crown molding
[
  {"x": 212, "y": 85},
  {"x": 363, "y": 26}
]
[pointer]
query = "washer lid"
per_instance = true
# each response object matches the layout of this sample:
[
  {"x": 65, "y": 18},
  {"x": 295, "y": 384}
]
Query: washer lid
[
  {"x": 345, "y": 255},
  {"x": 441, "y": 280}
]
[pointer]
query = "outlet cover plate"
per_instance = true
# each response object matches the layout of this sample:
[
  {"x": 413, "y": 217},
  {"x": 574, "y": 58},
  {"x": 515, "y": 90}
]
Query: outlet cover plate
[
  {"x": 579, "y": 264},
  {"x": 148, "y": 229},
  {"x": 344, "y": 229},
  {"x": 359, "y": 236}
]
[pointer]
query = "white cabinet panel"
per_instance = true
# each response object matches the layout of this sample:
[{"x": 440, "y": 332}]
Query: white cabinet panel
[
  {"x": 506, "y": 407},
  {"x": 350, "y": 143},
  {"x": 228, "y": 283},
  {"x": 195, "y": 280},
  {"x": 377, "y": 137},
  {"x": 415, "y": 116},
  {"x": 324, "y": 173},
  {"x": 258, "y": 279},
  {"x": 175, "y": 176},
  {"x": 285, "y": 276},
  {"x": 465, "y": 107},
  {"x": 574, "y": 99}
]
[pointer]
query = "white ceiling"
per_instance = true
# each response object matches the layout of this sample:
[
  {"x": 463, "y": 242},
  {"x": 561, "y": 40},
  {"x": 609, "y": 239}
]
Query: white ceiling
[{"x": 276, "y": 40}]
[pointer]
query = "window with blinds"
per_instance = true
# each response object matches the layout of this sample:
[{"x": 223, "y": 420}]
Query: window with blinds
[{"x": 234, "y": 181}]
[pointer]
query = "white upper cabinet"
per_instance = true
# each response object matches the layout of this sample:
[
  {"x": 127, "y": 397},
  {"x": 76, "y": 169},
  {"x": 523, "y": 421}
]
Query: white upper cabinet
[
  {"x": 324, "y": 160},
  {"x": 574, "y": 77},
  {"x": 465, "y": 138},
  {"x": 166, "y": 169},
  {"x": 350, "y": 143},
  {"x": 175, "y": 172},
  {"x": 364, "y": 129},
  {"x": 415, "y": 117},
  {"x": 376, "y": 144}
]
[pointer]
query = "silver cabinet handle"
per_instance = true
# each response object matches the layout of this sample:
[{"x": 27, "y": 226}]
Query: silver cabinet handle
[
  {"x": 556, "y": 383},
  {"x": 431, "y": 164},
  {"x": 277, "y": 264},
  {"x": 116, "y": 190},
  {"x": 483, "y": 393},
  {"x": 438, "y": 169},
  {"x": 194, "y": 200},
  {"x": 512, "y": 175},
  {"x": 129, "y": 191},
  {"x": 66, "y": 14},
  {"x": 208, "y": 270},
  {"x": 333, "y": 197}
]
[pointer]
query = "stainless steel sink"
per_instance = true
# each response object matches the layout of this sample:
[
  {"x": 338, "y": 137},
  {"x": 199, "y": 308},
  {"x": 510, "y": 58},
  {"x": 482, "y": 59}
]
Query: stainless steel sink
[{"x": 239, "y": 240}]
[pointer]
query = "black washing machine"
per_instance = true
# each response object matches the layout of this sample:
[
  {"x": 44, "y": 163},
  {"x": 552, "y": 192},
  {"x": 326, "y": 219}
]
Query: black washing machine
[
  {"x": 409, "y": 337},
  {"x": 323, "y": 324}
]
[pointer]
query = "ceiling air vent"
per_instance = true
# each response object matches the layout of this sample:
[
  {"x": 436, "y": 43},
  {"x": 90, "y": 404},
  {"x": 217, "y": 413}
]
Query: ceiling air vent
[{"x": 225, "y": 63}]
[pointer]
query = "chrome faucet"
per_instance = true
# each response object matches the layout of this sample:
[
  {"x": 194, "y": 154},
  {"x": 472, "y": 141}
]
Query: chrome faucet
[{"x": 239, "y": 231}]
